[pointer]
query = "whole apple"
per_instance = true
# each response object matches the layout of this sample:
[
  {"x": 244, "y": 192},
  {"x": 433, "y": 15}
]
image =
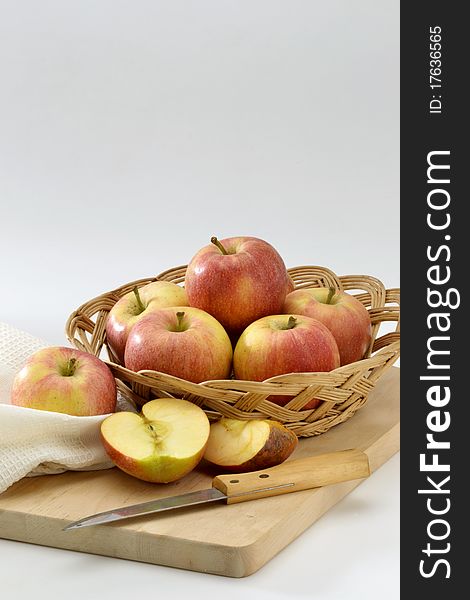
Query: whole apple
[
  {"x": 346, "y": 318},
  {"x": 237, "y": 280},
  {"x": 281, "y": 344},
  {"x": 137, "y": 304},
  {"x": 188, "y": 343},
  {"x": 65, "y": 380}
]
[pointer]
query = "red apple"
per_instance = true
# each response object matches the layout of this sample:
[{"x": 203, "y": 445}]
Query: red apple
[
  {"x": 281, "y": 344},
  {"x": 137, "y": 304},
  {"x": 187, "y": 343},
  {"x": 237, "y": 280},
  {"x": 67, "y": 381},
  {"x": 290, "y": 284},
  {"x": 346, "y": 318}
]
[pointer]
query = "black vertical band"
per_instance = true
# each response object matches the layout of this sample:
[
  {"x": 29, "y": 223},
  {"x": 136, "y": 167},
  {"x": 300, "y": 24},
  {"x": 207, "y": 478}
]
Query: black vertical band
[{"x": 435, "y": 326}]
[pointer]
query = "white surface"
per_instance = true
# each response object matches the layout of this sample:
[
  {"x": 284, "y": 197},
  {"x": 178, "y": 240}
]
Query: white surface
[{"x": 130, "y": 132}]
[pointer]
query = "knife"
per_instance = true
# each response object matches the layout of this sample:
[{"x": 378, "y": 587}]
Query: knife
[{"x": 290, "y": 476}]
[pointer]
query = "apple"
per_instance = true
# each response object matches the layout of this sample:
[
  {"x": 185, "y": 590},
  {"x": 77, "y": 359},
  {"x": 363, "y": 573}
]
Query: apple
[
  {"x": 241, "y": 446},
  {"x": 162, "y": 444},
  {"x": 346, "y": 318},
  {"x": 290, "y": 284},
  {"x": 188, "y": 343},
  {"x": 137, "y": 304},
  {"x": 65, "y": 380},
  {"x": 237, "y": 280},
  {"x": 280, "y": 344}
]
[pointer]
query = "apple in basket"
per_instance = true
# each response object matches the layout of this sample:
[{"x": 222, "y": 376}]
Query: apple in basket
[
  {"x": 240, "y": 446},
  {"x": 280, "y": 344},
  {"x": 184, "y": 342},
  {"x": 162, "y": 444},
  {"x": 290, "y": 284},
  {"x": 237, "y": 280},
  {"x": 137, "y": 304},
  {"x": 346, "y": 318},
  {"x": 65, "y": 380}
]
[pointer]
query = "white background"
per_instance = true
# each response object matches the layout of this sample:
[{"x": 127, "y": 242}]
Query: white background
[{"x": 132, "y": 131}]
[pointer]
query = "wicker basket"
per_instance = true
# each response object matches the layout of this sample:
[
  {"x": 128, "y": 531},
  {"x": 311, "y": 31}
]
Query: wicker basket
[{"x": 342, "y": 391}]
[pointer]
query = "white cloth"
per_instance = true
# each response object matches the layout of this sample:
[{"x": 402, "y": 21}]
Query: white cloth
[{"x": 37, "y": 442}]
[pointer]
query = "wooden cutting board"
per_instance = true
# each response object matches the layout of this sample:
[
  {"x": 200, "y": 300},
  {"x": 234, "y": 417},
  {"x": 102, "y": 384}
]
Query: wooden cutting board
[{"x": 231, "y": 540}]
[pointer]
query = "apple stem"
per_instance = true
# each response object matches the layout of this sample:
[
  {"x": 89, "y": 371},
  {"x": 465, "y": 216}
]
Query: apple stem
[
  {"x": 179, "y": 324},
  {"x": 331, "y": 293},
  {"x": 70, "y": 367},
  {"x": 138, "y": 298},
  {"x": 216, "y": 242},
  {"x": 291, "y": 323}
]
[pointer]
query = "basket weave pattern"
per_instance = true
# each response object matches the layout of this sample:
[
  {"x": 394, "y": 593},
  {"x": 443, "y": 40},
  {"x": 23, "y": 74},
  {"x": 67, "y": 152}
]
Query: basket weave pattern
[{"x": 342, "y": 391}]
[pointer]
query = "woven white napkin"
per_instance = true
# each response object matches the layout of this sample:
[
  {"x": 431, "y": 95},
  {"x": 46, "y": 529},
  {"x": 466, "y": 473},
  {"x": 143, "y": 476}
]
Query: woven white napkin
[{"x": 37, "y": 442}]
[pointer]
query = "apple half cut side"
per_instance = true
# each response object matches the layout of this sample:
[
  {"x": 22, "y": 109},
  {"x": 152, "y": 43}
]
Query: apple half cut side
[
  {"x": 162, "y": 444},
  {"x": 242, "y": 446}
]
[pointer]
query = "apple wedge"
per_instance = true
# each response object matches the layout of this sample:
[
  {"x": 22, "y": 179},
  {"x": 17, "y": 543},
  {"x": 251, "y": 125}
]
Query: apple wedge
[
  {"x": 162, "y": 444},
  {"x": 240, "y": 446}
]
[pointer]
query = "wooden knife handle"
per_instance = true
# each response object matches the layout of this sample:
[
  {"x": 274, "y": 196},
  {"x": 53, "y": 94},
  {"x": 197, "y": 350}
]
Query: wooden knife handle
[{"x": 303, "y": 474}]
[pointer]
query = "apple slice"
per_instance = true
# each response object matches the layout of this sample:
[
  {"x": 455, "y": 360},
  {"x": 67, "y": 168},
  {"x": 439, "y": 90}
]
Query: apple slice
[
  {"x": 240, "y": 446},
  {"x": 162, "y": 444}
]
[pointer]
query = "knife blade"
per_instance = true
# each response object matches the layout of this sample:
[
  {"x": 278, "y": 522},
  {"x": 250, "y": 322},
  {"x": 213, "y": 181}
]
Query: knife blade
[{"x": 290, "y": 476}]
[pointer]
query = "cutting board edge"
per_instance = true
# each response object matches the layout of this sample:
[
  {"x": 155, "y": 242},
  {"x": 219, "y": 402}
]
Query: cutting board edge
[{"x": 188, "y": 551}]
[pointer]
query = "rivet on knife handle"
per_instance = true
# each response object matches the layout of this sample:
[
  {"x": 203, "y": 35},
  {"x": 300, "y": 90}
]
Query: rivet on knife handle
[{"x": 301, "y": 474}]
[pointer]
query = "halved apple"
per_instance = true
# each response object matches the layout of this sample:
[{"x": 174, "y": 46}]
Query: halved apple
[
  {"x": 162, "y": 444},
  {"x": 240, "y": 446}
]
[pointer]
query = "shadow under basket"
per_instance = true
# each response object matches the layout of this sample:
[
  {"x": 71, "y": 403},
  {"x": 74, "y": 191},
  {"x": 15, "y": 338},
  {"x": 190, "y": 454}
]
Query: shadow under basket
[{"x": 342, "y": 391}]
